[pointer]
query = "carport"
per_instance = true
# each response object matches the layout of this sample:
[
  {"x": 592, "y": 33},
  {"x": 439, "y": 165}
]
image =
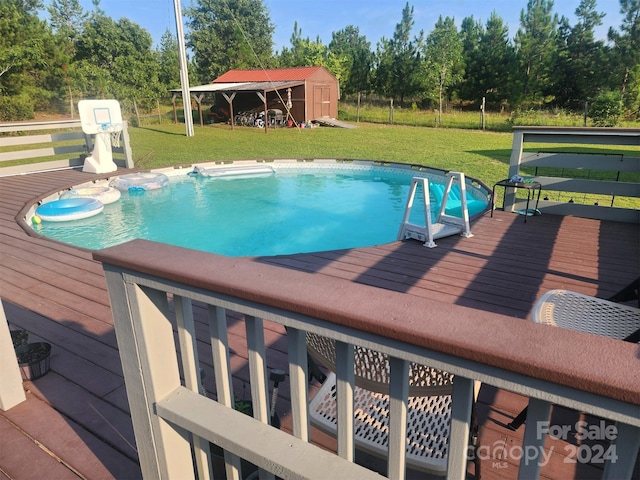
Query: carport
[
  {"x": 303, "y": 94},
  {"x": 271, "y": 95}
]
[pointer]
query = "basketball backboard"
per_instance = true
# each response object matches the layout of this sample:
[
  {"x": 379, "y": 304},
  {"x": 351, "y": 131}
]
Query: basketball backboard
[{"x": 99, "y": 115}]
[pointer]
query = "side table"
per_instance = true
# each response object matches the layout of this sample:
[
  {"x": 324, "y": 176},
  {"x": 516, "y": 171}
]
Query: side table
[{"x": 529, "y": 185}]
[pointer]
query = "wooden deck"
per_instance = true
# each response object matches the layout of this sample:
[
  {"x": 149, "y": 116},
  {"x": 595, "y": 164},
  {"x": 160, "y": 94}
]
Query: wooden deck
[{"x": 75, "y": 422}]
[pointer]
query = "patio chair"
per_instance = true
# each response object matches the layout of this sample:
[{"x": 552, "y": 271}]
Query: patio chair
[
  {"x": 575, "y": 311},
  {"x": 429, "y": 409}
]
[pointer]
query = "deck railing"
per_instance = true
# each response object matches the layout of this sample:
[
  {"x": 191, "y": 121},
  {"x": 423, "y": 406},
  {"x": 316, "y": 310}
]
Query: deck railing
[
  {"x": 67, "y": 147},
  {"x": 155, "y": 288},
  {"x": 604, "y": 175}
]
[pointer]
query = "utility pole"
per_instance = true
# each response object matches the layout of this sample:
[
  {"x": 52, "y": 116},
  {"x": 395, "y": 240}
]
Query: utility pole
[{"x": 184, "y": 72}]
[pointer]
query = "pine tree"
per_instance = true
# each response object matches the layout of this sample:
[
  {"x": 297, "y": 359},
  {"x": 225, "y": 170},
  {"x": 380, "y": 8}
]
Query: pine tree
[
  {"x": 579, "y": 58},
  {"x": 444, "y": 60},
  {"x": 535, "y": 43},
  {"x": 627, "y": 54},
  {"x": 357, "y": 51},
  {"x": 398, "y": 61},
  {"x": 227, "y": 35},
  {"x": 169, "y": 75}
]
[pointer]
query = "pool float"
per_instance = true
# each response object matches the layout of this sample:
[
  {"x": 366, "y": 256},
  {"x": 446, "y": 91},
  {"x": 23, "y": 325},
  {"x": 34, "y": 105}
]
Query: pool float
[
  {"x": 240, "y": 171},
  {"x": 105, "y": 195},
  {"x": 454, "y": 204},
  {"x": 140, "y": 181},
  {"x": 69, "y": 209}
]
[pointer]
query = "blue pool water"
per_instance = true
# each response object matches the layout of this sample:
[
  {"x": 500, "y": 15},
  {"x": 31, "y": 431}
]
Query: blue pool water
[{"x": 294, "y": 210}]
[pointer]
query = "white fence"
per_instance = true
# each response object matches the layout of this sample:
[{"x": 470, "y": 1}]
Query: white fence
[{"x": 66, "y": 148}]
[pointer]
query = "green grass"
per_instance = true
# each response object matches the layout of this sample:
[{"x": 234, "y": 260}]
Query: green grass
[{"x": 482, "y": 155}]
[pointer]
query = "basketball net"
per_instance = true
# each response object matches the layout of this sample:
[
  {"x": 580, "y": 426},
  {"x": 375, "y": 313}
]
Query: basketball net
[
  {"x": 115, "y": 138},
  {"x": 115, "y": 131}
]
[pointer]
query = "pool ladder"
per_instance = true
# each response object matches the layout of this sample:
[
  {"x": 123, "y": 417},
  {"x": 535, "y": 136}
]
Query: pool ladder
[{"x": 445, "y": 225}]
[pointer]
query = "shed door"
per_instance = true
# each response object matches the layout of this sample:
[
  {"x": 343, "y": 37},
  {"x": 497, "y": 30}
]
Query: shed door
[{"x": 321, "y": 101}]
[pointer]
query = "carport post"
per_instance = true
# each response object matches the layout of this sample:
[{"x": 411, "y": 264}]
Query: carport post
[
  {"x": 263, "y": 97},
  {"x": 175, "y": 112},
  {"x": 199, "y": 102},
  {"x": 230, "y": 101}
]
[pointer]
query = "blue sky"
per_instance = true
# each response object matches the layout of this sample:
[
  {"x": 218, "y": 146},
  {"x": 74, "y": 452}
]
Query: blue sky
[{"x": 374, "y": 18}]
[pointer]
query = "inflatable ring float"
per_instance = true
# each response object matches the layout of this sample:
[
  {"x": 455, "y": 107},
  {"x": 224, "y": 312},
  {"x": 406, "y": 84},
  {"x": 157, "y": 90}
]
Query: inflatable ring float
[
  {"x": 140, "y": 181},
  {"x": 239, "y": 171},
  {"x": 105, "y": 195},
  {"x": 69, "y": 209}
]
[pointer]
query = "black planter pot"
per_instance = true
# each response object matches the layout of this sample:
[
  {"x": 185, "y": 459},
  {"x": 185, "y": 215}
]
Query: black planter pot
[
  {"x": 33, "y": 359},
  {"x": 19, "y": 337}
]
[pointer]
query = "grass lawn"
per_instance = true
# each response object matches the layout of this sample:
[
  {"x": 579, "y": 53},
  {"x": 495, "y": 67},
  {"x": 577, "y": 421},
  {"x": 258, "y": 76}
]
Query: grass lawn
[{"x": 482, "y": 155}]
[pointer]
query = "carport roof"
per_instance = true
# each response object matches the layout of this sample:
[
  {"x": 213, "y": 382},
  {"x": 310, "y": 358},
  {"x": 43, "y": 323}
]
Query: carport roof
[
  {"x": 240, "y": 87},
  {"x": 269, "y": 75}
]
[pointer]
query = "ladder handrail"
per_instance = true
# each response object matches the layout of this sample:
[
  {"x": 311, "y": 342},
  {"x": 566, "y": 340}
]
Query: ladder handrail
[
  {"x": 445, "y": 225},
  {"x": 443, "y": 217}
]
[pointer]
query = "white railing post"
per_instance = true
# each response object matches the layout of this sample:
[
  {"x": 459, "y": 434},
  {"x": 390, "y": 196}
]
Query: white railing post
[
  {"x": 257, "y": 367},
  {"x": 398, "y": 410},
  {"x": 254, "y": 328},
  {"x": 192, "y": 379},
  {"x": 622, "y": 453},
  {"x": 514, "y": 169},
  {"x": 345, "y": 378},
  {"x": 11, "y": 391},
  {"x": 298, "y": 381},
  {"x": 538, "y": 411},
  {"x": 462, "y": 398},
  {"x": 150, "y": 366},
  {"x": 126, "y": 145},
  {"x": 224, "y": 388}
]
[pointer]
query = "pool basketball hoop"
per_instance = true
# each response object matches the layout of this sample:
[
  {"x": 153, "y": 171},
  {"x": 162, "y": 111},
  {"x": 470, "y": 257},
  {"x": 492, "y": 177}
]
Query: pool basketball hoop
[{"x": 103, "y": 119}]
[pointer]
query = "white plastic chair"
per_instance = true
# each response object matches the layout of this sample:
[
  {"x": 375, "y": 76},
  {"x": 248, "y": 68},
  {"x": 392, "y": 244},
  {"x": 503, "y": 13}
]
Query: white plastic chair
[
  {"x": 429, "y": 409},
  {"x": 575, "y": 311},
  {"x": 584, "y": 313}
]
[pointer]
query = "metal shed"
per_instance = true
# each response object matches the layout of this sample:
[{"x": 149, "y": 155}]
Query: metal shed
[{"x": 302, "y": 94}]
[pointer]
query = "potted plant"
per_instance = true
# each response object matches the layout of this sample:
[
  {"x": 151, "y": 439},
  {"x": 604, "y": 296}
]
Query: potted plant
[
  {"x": 19, "y": 337},
  {"x": 33, "y": 359}
]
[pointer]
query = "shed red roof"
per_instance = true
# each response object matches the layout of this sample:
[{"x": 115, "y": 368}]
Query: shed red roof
[{"x": 275, "y": 75}]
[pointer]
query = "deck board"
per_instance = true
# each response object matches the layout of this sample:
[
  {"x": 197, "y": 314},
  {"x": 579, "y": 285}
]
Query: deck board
[{"x": 58, "y": 293}]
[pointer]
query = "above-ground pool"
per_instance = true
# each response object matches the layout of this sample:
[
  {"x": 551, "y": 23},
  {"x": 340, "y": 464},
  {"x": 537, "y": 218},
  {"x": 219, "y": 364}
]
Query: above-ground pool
[{"x": 287, "y": 207}]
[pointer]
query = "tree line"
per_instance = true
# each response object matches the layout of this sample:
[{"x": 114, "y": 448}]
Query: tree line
[{"x": 49, "y": 64}]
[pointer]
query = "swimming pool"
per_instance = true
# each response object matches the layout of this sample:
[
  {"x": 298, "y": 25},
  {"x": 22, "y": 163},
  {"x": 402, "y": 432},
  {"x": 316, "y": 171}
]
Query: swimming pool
[{"x": 299, "y": 207}]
